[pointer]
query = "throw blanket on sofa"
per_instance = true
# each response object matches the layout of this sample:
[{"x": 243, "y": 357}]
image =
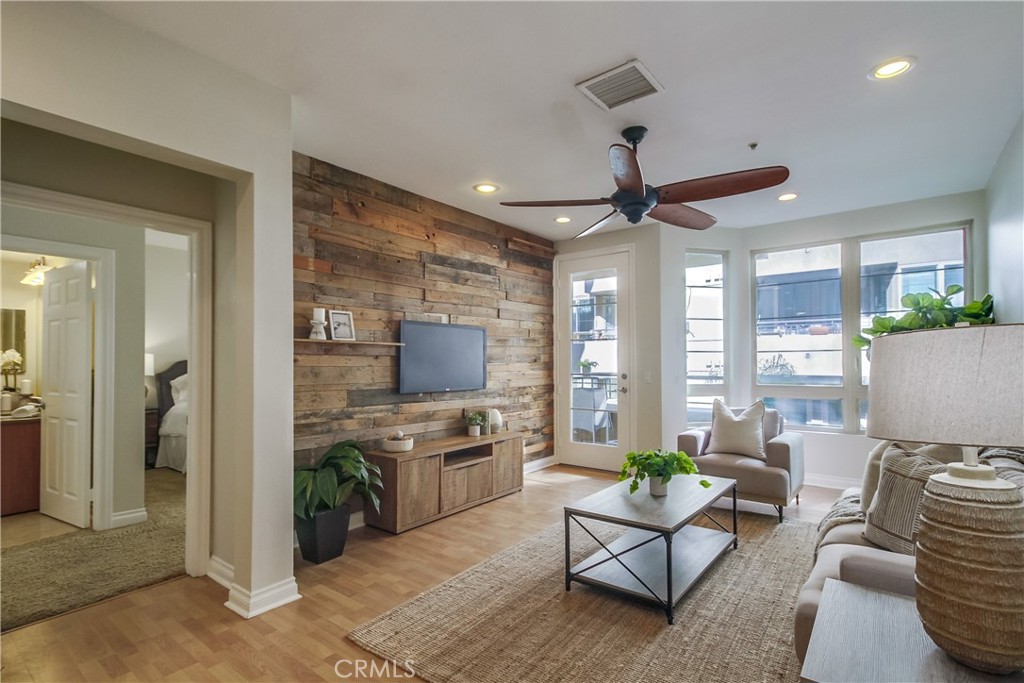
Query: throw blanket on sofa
[
  {"x": 1008, "y": 462},
  {"x": 845, "y": 510}
]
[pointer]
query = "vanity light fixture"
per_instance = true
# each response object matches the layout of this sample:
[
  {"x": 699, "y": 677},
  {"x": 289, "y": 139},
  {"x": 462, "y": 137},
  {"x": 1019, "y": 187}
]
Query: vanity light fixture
[
  {"x": 34, "y": 276},
  {"x": 891, "y": 68},
  {"x": 788, "y": 196},
  {"x": 486, "y": 188}
]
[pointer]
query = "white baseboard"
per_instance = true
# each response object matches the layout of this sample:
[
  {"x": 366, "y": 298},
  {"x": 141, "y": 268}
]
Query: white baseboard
[
  {"x": 540, "y": 464},
  {"x": 127, "y": 518},
  {"x": 829, "y": 481},
  {"x": 249, "y": 605},
  {"x": 220, "y": 571}
]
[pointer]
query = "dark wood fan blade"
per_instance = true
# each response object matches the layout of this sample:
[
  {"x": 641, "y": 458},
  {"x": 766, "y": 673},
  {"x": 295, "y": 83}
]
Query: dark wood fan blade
[
  {"x": 561, "y": 202},
  {"x": 598, "y": 225},
  {"x": 682, "y": 216},
  {"x": 626, "y": 169},
  {"x": 724, "y": 185}
]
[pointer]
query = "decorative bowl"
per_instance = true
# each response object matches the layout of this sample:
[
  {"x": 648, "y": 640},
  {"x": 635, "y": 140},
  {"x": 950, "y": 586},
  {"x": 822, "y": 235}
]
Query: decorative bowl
[{"x": 398, "y": 446}]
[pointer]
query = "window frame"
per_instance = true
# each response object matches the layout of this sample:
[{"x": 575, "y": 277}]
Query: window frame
[
  {"x": 851, "y": 391},
  {"x": 709, "y": 388}
]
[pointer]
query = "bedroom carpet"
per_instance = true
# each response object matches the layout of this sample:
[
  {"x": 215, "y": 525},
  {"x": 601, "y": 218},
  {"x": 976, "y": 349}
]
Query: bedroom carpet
[
  {"x": 56, "y": 575},
  {"x": 510, "y": 620}
]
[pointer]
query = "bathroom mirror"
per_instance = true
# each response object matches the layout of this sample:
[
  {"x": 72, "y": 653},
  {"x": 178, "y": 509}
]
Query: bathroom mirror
[{"x": 12, "y": 331}]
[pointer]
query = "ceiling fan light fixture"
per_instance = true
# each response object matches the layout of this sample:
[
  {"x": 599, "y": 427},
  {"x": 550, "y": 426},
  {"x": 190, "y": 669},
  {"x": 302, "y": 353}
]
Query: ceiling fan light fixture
[
  {"x": 563, "y": 219},
  {"x": 890, "y": 68},
  {"x": 788, "y": 196},
  {"x": 486, "y": 188}
]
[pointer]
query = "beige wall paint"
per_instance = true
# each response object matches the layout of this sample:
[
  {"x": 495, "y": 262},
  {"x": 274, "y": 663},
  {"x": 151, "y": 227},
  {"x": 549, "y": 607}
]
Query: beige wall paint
[
  {"x": 173, "y": 105},
  {"x": 167, "y": 308},
  {"x": 1005, "y": 203},
  {"x": 128, "y": 245}
]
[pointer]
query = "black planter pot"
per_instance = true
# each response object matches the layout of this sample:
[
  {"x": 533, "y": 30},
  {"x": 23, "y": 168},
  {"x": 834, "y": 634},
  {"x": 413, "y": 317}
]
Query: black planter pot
[{"x": 323, "y": 537}]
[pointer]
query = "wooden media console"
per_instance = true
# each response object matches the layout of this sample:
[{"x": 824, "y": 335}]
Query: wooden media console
[{"x": 443, "y": 477}]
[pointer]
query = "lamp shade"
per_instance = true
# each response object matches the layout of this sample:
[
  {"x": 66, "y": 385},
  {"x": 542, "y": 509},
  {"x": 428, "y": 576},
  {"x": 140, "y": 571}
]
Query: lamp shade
[
  {"x": 960, "y": 386},
  {"x": 150, "y": 365}
]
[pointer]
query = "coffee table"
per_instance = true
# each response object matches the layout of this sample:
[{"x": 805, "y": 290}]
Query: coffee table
[{"x": 634, "y": 563}]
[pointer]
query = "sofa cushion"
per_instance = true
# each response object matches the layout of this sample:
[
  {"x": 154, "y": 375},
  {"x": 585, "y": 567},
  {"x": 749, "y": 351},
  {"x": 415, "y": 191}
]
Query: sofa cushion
[
  {"x": 869, "y": 485},
  {"x": 753, "y": 477},
  {"x": 741, "y": 434},
  {"x": 892, "y": 520},
  {"x": 848, "y": 534}
]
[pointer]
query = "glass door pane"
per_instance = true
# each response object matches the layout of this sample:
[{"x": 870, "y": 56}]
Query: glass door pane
[{"x": 593, "y": 354}]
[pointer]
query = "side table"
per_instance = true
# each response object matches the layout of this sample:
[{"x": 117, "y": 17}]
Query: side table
[
  {"x": 867, "y": 636},
  {"x": 152, "y": 436}
]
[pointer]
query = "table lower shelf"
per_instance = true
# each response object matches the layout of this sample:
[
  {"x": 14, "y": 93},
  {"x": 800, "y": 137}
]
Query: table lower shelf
[{"x": 694, "y": 550}]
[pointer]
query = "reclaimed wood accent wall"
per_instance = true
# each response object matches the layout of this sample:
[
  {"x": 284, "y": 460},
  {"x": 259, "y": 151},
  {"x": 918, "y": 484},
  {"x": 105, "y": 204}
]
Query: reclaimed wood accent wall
[{"x": 388, "y": 255}]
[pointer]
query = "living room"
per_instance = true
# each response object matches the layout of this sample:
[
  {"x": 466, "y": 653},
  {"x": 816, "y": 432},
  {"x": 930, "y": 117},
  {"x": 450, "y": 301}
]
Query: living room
[{"x": 271, "y": 164}]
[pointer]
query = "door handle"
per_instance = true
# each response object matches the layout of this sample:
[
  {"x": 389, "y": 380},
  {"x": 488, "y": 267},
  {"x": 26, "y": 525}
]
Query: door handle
[{"x": 624, "y": 390}]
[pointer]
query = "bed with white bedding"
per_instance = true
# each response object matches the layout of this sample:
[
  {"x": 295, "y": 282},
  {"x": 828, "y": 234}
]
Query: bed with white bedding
[{"x": 172, "y": 408}]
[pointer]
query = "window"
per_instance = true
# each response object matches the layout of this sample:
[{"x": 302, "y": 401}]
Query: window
[
  {"x": 705, "y": 333},
  {"x": 805, "y": 365}
]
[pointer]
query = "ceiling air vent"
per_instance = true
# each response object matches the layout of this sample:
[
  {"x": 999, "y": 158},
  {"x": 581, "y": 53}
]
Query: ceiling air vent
[{"x": 621, "y": 85}]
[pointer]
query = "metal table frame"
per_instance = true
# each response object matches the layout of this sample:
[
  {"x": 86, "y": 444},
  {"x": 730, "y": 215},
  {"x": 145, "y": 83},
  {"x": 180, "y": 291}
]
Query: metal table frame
[{"x": 668, "y": 604}]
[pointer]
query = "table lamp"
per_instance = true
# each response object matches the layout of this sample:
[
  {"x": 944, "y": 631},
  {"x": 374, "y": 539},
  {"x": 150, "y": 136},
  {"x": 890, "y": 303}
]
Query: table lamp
[{"x": 961, "y": 386}]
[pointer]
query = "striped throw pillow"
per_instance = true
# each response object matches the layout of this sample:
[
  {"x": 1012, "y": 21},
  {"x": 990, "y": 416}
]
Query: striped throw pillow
[{"x": 892, "y": 520}]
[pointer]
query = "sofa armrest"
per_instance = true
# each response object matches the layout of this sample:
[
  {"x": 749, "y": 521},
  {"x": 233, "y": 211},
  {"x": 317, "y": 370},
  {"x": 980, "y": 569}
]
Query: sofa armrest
[
  {"x": 786, "y": 451},
  {"x": 893, "y": 573},
  {"x": 694, "y": 441}
]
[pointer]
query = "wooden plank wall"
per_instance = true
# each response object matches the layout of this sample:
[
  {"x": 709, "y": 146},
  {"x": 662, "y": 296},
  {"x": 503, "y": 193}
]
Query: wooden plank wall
[{"x": 385, "y": 254}]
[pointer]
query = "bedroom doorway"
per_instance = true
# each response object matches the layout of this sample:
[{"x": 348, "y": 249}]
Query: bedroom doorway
[{"x": 21, "y": 201}]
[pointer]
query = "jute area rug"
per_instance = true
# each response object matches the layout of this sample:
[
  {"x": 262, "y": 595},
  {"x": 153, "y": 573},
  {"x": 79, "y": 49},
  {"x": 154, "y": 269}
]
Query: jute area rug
[
  {"x": 56, "y": 575},
  {"x": 510, "y": 620}
]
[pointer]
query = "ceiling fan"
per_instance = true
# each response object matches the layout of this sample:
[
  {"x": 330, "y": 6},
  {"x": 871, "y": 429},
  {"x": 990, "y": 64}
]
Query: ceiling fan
[{"x": 634, "y": 199}]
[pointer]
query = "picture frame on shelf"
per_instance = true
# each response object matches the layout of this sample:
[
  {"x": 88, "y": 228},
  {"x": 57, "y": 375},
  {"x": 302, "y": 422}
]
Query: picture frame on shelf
[{"x": 342, "y": 326}]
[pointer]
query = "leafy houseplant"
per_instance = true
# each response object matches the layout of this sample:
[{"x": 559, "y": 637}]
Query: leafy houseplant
[
  {"x": 321, "y": 494},
  {"x": 475, "y": 420},
  {"x": 587, "y": 365},
  {"x": 927, "y": 311},
  {"x": 659, "y": 465}
]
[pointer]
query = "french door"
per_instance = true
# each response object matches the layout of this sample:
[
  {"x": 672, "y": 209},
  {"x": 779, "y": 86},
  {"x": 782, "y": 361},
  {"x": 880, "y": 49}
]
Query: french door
[{"x": 593, "y": 360}]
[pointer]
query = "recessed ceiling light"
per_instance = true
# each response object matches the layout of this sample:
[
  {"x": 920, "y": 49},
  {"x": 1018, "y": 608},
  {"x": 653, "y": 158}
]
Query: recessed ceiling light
[
  {"x": 485, "y": 188},
  {"x": 891, "y": 68},
  {"x": 788, "y": 196},
  {"x": 562, "y": 219}
]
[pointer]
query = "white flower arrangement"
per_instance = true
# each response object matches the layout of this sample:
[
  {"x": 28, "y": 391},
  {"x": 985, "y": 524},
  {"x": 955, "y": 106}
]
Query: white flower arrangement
[{"x": 10, "y": 366}]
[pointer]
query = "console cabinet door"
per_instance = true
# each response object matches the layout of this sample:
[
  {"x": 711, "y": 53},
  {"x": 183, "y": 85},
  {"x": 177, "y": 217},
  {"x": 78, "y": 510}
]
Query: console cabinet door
[
  {"x": 508, "y": 465},
  {"x": 419, "y": 490},
  {"x": 466, "y": 485}
]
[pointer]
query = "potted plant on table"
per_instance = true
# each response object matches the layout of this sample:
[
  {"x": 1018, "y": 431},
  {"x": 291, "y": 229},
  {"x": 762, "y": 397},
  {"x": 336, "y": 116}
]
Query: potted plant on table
[
  {"x": 659, "y": 466},
  {"x": 321, "y": 499},
  {"x": 586, "y": 365},
  {"x": 474, "y": 421}
]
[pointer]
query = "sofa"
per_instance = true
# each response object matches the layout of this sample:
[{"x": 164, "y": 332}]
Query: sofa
[{"x": 844, "y": 553}]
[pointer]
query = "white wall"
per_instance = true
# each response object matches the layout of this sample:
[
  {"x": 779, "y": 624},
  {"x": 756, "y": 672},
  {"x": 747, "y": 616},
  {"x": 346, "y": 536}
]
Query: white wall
[
  {"x": 136, "y": 92},
  {"x": 167, "y": 311},
  {"x": 1005, "y": 199},
  {"x": 129, "y": 306}
]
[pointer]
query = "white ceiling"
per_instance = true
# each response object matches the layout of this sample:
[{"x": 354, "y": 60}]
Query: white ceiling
[{"x": 434, "y": 97}]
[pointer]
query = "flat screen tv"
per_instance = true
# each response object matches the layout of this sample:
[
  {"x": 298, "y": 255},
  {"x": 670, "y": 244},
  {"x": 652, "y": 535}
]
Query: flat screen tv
[{"x": 438, "y": 357}]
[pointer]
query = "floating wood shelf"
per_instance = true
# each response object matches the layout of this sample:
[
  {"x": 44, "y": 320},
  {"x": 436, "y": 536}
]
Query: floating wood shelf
[{"x": 350, "y": 341}]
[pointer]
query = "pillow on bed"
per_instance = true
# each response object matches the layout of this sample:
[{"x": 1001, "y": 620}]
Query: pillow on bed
[{"x": 179, "y": 389}]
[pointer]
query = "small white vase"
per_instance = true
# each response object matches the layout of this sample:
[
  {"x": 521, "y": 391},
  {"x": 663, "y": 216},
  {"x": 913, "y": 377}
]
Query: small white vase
[
  {"x": 657, "y": 488},
  {"x": 474, "y": 430}
]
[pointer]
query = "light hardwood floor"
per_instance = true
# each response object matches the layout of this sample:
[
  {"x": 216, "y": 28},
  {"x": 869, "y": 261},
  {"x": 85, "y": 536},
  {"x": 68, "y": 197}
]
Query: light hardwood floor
[{"x": 180, "y": 630}]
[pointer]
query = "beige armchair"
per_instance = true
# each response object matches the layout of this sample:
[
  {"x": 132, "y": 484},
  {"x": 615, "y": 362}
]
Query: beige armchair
[{"x": 776, "y": 480}]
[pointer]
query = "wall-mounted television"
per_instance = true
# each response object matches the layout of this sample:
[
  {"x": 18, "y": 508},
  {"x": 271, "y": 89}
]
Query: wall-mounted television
[{"x": 438, "y": 357}]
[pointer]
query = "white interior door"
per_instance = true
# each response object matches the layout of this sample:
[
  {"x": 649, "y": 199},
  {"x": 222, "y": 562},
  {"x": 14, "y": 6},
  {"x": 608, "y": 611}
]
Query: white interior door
[
  {"x": 594, "y": 406},
  {"x": 67, "y": 425}
]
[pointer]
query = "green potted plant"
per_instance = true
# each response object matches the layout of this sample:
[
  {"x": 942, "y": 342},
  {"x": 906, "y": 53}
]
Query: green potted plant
[
  {"x": 659, "y": 466},
  {"x": 927, "y": 311},
  {"x": 587, "y": 365},
  {"x": 474, "y": 421},
  {"x": 321, "y": 499}
]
